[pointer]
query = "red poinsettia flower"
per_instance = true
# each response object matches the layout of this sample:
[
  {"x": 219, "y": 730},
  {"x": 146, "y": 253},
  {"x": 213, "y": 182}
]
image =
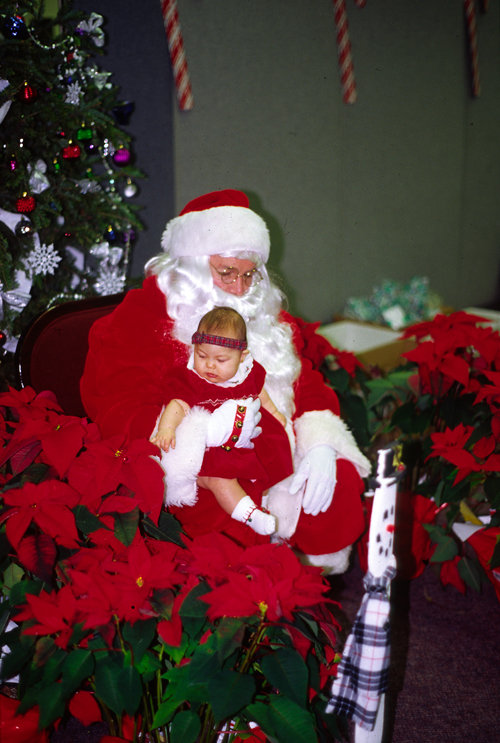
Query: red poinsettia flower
[
  {"x": 26, "y": 402},
  {"x": 452, "y": 439},
  {"x": 100, "y": 600},
  {"x": 273, "y": 590},
  {"x": 314, "y": 346},
  {"x": 442, "y": 324},
  {"x": 84, "y": 707},
  {"x": 146, "y": 570},
  {"x": 439, "y": 356},
  {"x": 210, "y": 556},
  {"x": 55, "y": 612},
  {"x": 449, "y": 574},
  {"x": 490, "y": 392},
  {"x": 48, "y": 505},
  {"x": 107, "y": 464}
]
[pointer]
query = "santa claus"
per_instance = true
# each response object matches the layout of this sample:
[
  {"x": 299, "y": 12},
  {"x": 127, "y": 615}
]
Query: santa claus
[{"x": 215, "y": 253}]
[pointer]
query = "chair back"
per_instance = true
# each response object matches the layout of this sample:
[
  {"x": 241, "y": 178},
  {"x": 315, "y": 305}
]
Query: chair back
[{"x": 52, "y": 350}]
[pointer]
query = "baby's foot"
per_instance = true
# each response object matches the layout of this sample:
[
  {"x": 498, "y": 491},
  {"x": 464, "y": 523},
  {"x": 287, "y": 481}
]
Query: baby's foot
[{"x": 258, "y": 519}]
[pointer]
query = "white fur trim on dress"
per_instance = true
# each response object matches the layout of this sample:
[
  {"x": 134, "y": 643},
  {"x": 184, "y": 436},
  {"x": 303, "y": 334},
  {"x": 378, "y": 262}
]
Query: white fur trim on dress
[
  {"x": 182, "y": 464},
  {"x": 323, "y": 427},
  {"x": 221, "y": 229}
]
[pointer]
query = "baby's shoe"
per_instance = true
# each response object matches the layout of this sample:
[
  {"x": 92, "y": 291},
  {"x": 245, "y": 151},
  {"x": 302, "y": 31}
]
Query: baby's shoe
[{"x": 258, "y": 519}]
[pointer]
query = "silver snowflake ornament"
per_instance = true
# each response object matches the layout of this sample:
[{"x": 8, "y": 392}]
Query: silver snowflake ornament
[
  {"x": 73, "y": 94},
  {"x": 109, "y": 281},
  {"x": 43, "y": 259},
  {"x": 86, "y": 185}
]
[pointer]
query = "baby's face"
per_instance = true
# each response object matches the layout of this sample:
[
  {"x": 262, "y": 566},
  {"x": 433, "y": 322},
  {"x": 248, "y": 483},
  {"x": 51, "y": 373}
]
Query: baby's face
[{"x": 216, "y": 364}]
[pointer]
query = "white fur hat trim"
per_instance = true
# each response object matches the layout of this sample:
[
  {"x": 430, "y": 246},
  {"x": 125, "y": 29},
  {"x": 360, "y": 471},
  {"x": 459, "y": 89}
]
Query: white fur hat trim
[{"x": 221, "y": 229}]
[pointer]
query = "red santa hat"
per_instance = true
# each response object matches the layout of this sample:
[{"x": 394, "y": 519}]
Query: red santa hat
[{"x": 218, "y": 222}]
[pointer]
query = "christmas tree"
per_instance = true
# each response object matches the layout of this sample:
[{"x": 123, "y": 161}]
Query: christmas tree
[{"x": 66, "y": 226}]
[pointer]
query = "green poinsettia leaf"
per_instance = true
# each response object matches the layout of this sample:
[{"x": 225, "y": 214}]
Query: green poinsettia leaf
[
  {"x": 168, "y": 529},
  {"x": 139, "y": 636},
  {"x": 148, "y": 665},
  {"x": 470, "y": 571},
  {"x": 19, "y": 590},
  {"x": 86, "y": 521},
  {"x": 492, "y": 491},
  {"x": 53, "y": 668},
  {"x": 193, "y": 611},
  {"x": 291, "y": 722},
  {"x": 44, "y": 648},
  {"x": 79, "y": 665},
  {"x": 51, "y": 701},
  {"x": 118, "y": 687},
  {"x": 495, "y": 558},
  {"x": 355, "y": 413},
  {"x": 260, "y": 713},
  {"x": 338, "y": 378},
  {"x": 126, "y": 525},
  {"x": 185, "y": 727},
  {"x": 287, "y": 672},
  {"x": 166, "y": 711},
  {"x": 229, "y": 692},
  {"x": 446, "y": 549},
  {"x": 378, "y": 389}
]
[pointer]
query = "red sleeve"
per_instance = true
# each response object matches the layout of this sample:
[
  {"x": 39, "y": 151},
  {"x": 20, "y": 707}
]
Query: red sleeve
[
  {"x": 311, "y": 392},
  {"x": 130, "y": 351}
]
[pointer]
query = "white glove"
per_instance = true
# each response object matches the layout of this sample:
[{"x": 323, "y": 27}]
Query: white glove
[
  {"x": 221, "y": 422},
  {"x": 319, "y": 469}
]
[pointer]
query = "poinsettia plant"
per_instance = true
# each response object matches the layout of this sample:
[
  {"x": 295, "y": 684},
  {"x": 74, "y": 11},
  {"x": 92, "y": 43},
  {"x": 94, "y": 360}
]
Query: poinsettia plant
[
  {"x": 443, "y": 407},
  {"x": 112, "y": 619}
]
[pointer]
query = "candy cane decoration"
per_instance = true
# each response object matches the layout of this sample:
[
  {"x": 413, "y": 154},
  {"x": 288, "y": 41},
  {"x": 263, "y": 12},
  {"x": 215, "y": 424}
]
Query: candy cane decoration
[
  {"x": 470, "y": 18},
  {"x": 349, "y": 94},
  {"x": 360, "y": 3},
  {"x": 177, "y": 55}
]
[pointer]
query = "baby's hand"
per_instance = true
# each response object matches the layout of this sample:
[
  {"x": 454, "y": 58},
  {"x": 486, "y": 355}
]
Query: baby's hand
[{"x": 165, "y": 438}]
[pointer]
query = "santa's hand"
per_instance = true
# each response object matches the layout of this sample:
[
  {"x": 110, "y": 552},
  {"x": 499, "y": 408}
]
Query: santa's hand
[
  {"x": 220, "y": 425},
  {"x": 318, "y": 473}
]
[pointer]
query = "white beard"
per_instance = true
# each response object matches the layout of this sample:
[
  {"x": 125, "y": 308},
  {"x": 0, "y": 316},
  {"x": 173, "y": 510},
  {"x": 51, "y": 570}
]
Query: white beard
[{"x": 269, "y": 340}]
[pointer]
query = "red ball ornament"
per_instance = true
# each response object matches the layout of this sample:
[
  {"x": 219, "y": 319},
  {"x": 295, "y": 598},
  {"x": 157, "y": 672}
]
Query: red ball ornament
[
  {"x": 25, "y": 204},
  {"x": 71, "y": 152},
  {"x": 121, "y": 156},
  {"x": 27, "y": 94},
  {"x": 3, "y": 338}
]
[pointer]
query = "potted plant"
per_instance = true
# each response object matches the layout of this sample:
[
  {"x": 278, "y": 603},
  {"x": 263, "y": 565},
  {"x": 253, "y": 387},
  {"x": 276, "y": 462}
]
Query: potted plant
[{"x": 115, "y": 622}]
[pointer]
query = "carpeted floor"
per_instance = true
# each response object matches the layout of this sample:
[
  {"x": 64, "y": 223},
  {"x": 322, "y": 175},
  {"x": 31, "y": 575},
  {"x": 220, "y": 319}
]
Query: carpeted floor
[{"x": 444, "y": 682}]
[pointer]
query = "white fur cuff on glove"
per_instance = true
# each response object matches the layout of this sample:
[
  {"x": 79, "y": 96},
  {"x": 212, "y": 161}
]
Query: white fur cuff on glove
[{"x": 323, "y": 427}]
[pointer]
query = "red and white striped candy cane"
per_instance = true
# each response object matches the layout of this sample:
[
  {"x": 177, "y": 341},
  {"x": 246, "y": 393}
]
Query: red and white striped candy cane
[
  {"x": 349, "y": 94},
  {"x": 470, "y": 18},
  {"x": 360, "y": 3},
  {"x": 177, "y": 55}
]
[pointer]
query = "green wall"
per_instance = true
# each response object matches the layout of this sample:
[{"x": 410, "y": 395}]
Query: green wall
[{"x": 404, "y": 182}]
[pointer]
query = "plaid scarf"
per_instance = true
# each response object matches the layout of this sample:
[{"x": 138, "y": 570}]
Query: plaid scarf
[
  {"x": 218, "y": 340},
  {"x": 364, "y": 668}
]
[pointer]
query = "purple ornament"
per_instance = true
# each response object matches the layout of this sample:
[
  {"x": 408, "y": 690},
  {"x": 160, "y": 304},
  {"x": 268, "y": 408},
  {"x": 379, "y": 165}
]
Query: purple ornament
[
  {"x": 122, "y": 156},
  {"x": 128, "y": 236}
]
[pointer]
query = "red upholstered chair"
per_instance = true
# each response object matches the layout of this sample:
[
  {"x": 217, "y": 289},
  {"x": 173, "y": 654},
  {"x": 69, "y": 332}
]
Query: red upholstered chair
[{"x": 52, "y": 350}]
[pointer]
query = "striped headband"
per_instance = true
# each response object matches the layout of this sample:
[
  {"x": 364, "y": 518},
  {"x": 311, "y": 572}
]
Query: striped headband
[{"x": 218, "y": 340}]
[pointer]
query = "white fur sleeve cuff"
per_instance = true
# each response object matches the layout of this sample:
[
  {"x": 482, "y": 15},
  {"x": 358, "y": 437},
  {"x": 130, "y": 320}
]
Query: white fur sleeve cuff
[
  {"x": 323, "y": 427},
  {"x": 182, "y": 464}
]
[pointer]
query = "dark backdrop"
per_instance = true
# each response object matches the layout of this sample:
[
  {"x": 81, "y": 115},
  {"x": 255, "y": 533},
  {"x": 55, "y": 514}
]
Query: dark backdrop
[{"x": 137, "y": 55}]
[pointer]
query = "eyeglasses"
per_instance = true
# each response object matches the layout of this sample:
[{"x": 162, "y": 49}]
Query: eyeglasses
[{"x": 230, "y": 275}]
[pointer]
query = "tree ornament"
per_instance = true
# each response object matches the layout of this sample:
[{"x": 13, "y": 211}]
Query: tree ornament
[
  {"x": 92, "y": 27},
  {"x": 43, "y": 259},
  {"x": 24, "y": 228},
  {"x": 130, "y": 189},
  {"x": 123, "y": 112},
  {"x": 71, "y": 152},
  {"x": 109, "y": 235},
  {"x": 27, "y": 94},
  {"x": 73, "y": 94},
  {"x": 121, "y": 157},
  {"x": 84, "y": 133},
  {"x": 14, "y": 27},
  {"x": 4, "y": 110},
  {"x": 108, "y": 147},
  {"x": 25, "y": 204},
  {"x": 128, "y": 235},
  {"x": 13, "y": 164},
  {"x": 3, "y": 338},
  {"x": 38, "y": 180},
  {"x": 109, "y": 281}
]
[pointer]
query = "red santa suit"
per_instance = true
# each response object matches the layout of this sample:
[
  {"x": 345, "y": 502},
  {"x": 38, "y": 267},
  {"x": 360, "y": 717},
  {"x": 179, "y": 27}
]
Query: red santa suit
[{"x": 131, "y": 352}]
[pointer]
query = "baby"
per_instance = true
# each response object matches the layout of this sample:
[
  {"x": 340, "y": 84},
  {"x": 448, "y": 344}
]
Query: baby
[{"x": 221, "y": 368}]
